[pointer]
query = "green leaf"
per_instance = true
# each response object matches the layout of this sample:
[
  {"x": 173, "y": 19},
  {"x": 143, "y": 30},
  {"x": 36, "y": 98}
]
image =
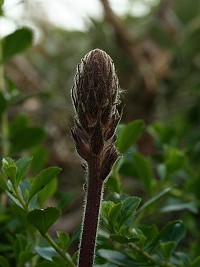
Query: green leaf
[
  {"x": 42, "y": 179},
  {"x": 64, "y": 239},
  {"x": 14, "y": 199},
  {"x": 9, "y": 169},
  {"x": 168, "y": 248},
  {"x": 58, "y": 261},
  {"x": 21, "y": 216},
  {"x": 149, "y": 231},
  {"x": 43, "y": 219},
  {"x": 4, "y": 262},
  {"x": 48, "y": 191},
  {"x": 16, "y": 42},
  {"x": 129, "y": 135},
  {"x": 113, "y": 214},
  {"x": 173, "y": 231},
  {"x": 40, "y": 158},
  {"x": 128, "y": 210},
  {"x": 123, "y": 239},
  {"x": 117, "y": 258},
  {"x": 184, "y": 258},
  {"x": 22, "y": 166},
  {"x": 24, "y": 189},
  {"x": 3, "y": 184},
  {"x": 46, "y": 252},
  {"x": 143, "y": 170}
]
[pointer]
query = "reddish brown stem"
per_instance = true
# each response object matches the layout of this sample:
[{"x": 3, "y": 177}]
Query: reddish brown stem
[{"x": 91, "y": 216}]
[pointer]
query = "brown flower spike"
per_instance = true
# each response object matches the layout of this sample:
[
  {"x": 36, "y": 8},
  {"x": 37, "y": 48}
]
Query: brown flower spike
[{"x": 95, "y": 97}]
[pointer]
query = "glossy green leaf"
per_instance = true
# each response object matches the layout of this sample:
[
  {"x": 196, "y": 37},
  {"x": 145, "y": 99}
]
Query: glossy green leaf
[
  {"x": 43, "y": 219},
  {"x": 184, "y": 258},
  {"x": 129, "y": 135},
  {"x": 24, "y": 189},
  {"x": 113, "y": 214},
  {"x": 64, "y": 239},
  {"x": 149, "y": 231},
  {"x": 9, "y": 169},
  {"x": 144, "y": 170},
  {"x": 16, "y": 42},
  {"x": 46, "y": 252},
  {"x": 106, "y": 208},
  {"x": 173, "y": 231},
  {"x": 128, "y": 210},
  {"x": 42, "y": 179},
  {"x": 15, "y": 200},
  {"x": 22, "y": 166}
]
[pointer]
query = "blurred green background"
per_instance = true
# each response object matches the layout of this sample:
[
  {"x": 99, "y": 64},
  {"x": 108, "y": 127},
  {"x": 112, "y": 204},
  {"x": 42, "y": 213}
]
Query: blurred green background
[{"x": 155, "y": 47}]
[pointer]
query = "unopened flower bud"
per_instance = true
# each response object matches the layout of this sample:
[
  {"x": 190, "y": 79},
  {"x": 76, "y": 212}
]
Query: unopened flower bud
[{"x": 95, "y": 96}]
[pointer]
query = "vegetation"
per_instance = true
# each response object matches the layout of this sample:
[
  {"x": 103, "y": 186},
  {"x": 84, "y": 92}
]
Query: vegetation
[{"x": 150, "y": 211}]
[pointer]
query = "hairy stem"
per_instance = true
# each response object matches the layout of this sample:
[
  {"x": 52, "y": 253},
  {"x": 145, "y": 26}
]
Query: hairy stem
[{"x": 91, "y": 216}]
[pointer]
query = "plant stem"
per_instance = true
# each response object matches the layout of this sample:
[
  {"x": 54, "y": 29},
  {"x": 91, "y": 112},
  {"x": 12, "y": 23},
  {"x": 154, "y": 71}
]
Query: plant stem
[
  {"x": 91, "y": 215},
  {"x": 21, "y": 200},
  {"x": 59, "y": 250},
  {"x": 150, "y": 258}
]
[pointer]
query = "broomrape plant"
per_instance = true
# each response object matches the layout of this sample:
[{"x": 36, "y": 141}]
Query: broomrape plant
[
  {"x": 95, "y": 98},
  {"x": 127, "y": 236}
]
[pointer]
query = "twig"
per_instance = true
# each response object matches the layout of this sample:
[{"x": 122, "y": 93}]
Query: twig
[{"x": 150, "y": 258}]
